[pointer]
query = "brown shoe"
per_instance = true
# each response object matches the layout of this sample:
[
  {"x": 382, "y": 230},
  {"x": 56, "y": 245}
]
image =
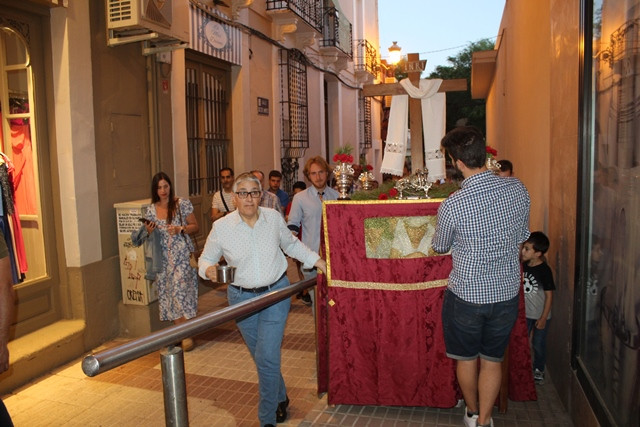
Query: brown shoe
[{"x": 188, "y": 344}]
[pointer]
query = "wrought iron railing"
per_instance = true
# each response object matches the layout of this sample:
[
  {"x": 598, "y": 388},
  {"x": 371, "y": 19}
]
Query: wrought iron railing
[
  {"x": 366, "y": 57},
  {"x": 309, "y": 10},
  {"x": 336, "y": 31}
]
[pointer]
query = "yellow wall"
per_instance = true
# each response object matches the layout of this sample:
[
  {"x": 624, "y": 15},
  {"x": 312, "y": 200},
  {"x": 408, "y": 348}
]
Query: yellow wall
[
  {"x": 518, "y": 122},
  {"x": 532, "y": 120}
]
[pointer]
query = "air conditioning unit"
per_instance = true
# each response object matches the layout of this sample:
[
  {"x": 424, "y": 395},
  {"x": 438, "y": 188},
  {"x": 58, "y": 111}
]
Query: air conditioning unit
[{"x": 134, "y": 19}]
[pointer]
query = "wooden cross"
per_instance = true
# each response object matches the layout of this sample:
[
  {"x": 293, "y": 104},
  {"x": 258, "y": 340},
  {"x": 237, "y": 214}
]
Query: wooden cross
[{"x": 415, "y": 106}]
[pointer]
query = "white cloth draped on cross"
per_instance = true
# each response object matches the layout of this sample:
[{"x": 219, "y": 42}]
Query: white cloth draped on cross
[{"x": 433, "y": 104}]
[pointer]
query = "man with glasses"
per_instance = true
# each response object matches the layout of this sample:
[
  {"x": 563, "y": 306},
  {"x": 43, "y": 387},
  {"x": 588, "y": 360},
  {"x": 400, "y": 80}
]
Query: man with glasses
[
  {"x": 222, "y": 203},
  {"x": 251, "y": 239},
  {"x": 306, "y": 208}
]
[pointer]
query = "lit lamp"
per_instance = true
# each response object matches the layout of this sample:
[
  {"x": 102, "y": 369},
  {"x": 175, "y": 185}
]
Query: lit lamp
[{"x": 395, "y": 53}]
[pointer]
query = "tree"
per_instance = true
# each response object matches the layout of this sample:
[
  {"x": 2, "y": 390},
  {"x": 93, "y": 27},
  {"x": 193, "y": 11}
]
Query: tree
[{"x": 460, "y": 106}]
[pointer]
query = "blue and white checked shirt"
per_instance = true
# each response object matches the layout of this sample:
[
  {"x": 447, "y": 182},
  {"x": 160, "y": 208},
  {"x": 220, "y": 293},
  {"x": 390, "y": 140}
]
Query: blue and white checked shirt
[{"x": 483, "y": 225}]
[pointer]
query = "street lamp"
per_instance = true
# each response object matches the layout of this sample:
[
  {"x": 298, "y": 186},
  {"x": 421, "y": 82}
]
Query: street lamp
[{"x": 395, "y": 53}]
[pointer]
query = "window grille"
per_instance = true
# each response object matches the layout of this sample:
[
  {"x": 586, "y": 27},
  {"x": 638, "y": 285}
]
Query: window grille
[
  {"x": 207, "y": 136},
  {"x": 294, "y": 111},
  {"x": 365, "y": 122}
]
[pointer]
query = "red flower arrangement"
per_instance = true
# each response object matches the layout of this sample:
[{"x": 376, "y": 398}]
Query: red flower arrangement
[
  {"x": 343, "y": 154},
  {"x": 342, "y": 158},
  {"x": 491, "y": 151}
]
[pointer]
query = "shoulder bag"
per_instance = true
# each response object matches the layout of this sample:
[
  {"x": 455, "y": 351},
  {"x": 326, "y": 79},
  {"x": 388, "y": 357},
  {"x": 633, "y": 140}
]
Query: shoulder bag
[{"x": 193, "y": 256}]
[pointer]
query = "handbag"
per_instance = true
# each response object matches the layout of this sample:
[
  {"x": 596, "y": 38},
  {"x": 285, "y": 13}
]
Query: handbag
[{"x": 193, "y": 256}]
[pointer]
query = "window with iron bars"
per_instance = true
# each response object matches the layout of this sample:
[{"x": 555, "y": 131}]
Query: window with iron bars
[
  {"x": 207, "y": 98},
  {"x": 294, "y": 111},
  {"x": 365, "y": 122}
]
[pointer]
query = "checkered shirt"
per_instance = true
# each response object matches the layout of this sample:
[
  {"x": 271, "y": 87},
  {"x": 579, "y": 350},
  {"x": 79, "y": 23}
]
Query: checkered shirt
[
  {"x": 268, "y": 200},
  {"x": 483, "y": 225}
]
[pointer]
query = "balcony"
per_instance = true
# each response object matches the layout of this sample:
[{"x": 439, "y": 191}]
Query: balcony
[
  {"x": 365, "y": 62},
  {"x": 336, "y": 32},
  {"x": 300, "y": 17}
]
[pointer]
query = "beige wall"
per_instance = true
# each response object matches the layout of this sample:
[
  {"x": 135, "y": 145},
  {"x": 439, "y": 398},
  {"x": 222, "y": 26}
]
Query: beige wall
[
  {"x": 532, "y": 119},
  {"x": 519, "y": 100}
]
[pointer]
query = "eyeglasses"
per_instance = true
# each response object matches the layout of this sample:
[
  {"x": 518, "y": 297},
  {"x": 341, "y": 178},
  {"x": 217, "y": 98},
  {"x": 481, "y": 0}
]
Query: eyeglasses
[{"x": 254, "y": 194}]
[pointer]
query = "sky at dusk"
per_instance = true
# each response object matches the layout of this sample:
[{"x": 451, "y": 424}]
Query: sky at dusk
[{"x": 437, "y": 29}]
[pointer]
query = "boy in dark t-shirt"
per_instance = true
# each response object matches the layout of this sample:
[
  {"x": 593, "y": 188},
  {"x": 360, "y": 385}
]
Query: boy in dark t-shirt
[{"x": 538, "y": 295}]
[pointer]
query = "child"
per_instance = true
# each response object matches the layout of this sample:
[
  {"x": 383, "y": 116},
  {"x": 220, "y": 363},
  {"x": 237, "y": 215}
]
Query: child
[{"x": 538, "y": 288}]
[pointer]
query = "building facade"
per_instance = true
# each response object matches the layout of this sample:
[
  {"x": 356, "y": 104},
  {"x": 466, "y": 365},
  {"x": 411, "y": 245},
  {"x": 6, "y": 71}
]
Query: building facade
[
  {"x": 99, "y": 96},
  {"x": 561, "y": 105}
]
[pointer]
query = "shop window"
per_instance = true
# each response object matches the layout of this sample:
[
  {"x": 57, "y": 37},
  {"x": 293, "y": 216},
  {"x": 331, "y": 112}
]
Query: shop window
[
  {"x": 608, "y": 303},
  {"x": 21, "y": 208}
]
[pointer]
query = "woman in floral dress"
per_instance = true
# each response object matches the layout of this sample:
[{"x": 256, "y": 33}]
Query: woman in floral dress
[{"x": 177, "y": 283}]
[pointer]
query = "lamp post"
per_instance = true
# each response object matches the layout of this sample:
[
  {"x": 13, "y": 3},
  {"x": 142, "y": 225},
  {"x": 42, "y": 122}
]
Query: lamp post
[{"x": 395, "y": 53}]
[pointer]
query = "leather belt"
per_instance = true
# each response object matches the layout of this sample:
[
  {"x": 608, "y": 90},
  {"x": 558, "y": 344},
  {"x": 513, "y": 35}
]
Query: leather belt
[{"x": 259, "y": 290}]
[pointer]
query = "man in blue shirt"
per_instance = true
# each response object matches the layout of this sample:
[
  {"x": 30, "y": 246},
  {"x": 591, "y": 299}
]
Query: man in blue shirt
[
  {"x": 275, "y": 177},
  {"x": 483, "y": 224},
  {"x": 306, "y": 209}
]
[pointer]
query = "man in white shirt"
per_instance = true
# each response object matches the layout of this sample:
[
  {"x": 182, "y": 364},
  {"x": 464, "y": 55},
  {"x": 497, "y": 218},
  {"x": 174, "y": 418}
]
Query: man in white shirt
[
  {"x": 222, "y": 202},
  {"x": 251, "y": 239}
]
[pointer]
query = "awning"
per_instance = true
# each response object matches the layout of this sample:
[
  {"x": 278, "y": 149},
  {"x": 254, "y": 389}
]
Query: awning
[{"x": 211, "y": 35}]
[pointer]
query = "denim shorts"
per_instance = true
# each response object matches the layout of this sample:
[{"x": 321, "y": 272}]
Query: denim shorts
[{"x": 477, "y": 330}]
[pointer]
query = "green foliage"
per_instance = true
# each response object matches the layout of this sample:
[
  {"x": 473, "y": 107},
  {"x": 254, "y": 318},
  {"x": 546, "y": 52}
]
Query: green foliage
[
  {"x": 459, "y": 104},
  {"x": 437, "y": 191}
]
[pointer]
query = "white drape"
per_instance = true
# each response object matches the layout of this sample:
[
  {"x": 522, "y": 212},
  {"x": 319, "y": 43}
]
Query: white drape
[{"x": 433, "y": 106}]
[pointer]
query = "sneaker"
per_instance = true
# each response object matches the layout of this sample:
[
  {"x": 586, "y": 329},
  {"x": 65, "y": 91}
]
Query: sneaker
[
  {"x": 306, "y": 300},
  {"x": 469, "y": 421},
  {"x": 538, "y": 376}
]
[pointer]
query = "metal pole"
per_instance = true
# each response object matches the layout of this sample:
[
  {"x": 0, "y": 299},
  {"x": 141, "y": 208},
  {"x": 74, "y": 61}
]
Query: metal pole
[
  {"x": 95, "y": 364},
  {"x": 174, "y": 387}
]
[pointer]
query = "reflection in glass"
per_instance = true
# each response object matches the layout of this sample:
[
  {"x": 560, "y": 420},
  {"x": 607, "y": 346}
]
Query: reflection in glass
[
  {"x": 15, "y": 51},
  {"x": 18, "y": 86},
  {"x": 610, "y": 339}
]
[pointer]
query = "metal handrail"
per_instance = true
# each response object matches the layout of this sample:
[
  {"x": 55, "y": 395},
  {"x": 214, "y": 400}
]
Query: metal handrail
[{"x": 105, "y": 360}]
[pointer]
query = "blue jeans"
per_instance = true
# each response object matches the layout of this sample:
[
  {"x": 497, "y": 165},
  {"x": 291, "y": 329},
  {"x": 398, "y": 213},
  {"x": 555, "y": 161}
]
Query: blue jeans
[
  {"x": 539, "y": 343},
  {"x": 263, "y": 332}
]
